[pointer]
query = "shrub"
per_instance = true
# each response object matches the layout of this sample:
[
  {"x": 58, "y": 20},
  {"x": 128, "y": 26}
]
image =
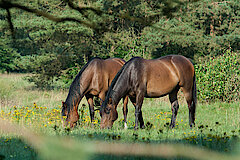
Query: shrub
[
  {"x": 218, "y": 78},
  {"x": 47, "y": 69},
  {"x": 7, "y": 56},
  {"x": 68, "y": 75}
]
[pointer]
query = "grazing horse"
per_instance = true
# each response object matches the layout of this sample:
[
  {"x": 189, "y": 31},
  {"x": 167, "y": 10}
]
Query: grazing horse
[
  {"x": 140, "y": 78},
  {"x": 93, "y": 80}
]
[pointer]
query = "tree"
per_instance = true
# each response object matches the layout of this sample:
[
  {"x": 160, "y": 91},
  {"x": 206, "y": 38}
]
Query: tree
[{"x": 201, "y": 28}]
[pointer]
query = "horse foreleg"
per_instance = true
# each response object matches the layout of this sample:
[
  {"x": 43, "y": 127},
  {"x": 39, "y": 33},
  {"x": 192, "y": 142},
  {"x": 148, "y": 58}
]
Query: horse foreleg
[
  {"x": 125, "y": 111},
  {"x": 142, "y": 126},
  {"x": 138, "y": 111},
  {"x": 91, "y": 106},
  {"x": 174, "y": 105},
  {"x": 139, "y": 117}
]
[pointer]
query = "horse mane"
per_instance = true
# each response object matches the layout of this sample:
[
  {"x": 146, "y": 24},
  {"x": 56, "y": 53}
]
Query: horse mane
[
  {"x": 73, "y": 85},
  {"x": 83, "y": 68},
  {"x": 110, "y": 89}
]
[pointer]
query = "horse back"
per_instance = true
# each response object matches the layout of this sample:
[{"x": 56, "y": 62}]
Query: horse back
[
  {"x": 162, "y": 75},
  {"x": 98, "y": 75},
  {"x": 111, "y": 67},
  {"x": 184, "y": 68},
  {"x": 118, "y": 60}
]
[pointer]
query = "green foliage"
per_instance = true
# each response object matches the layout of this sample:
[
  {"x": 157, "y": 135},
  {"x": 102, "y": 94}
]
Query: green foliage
[
  {"x": 198, "y": 29},
  {"x": 7, "y": 57},
  {"x": 218, "y": 77},
  {"x": 24, "y": 63},
  {"x": 124, "y": 44},
  {"x": 68, "y": 75},
  {"x": 46, "y": 68}
]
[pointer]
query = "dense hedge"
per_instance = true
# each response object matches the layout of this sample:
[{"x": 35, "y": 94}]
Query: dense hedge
[{"x": 218, "y": 77}]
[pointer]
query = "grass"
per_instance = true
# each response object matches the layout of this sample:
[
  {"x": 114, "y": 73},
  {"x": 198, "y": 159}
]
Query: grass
[
  {"x": 15, "y": 91},
  {"x": 217, "y": 124}
]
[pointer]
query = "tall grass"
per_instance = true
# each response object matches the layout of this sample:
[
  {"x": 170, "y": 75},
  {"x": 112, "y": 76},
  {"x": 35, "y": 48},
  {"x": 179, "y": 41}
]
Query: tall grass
[{"x": 15, "y": 91}]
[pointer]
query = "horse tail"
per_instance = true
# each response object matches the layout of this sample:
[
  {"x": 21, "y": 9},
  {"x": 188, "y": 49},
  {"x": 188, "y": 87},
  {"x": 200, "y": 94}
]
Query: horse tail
[
  {"x": 194, "y": 101},
  {"x": 194, "y": 90}
]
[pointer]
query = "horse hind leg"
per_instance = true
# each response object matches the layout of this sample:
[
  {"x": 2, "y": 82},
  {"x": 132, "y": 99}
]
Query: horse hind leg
[
  {"x": 192, "y": 111},
  {"x": 125, "y": 111},
  {"x": 174, "y": 105},
  {"x": 91, "y": 106}
]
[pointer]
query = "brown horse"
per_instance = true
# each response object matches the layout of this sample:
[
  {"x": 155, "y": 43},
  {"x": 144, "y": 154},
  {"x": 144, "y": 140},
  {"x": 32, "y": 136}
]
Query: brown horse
[
  {"x": 93, "y": 80},
  {"x": 141, "y": 78}
]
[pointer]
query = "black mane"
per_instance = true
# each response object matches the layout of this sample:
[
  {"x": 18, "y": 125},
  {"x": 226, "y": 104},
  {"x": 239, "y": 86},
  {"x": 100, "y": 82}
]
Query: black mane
[
  {"x": 74, "y": 90},
  {"x": 110, "y": 89}
]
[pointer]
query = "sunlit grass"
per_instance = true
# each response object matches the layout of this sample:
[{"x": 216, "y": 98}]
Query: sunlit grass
[
  {"x": 14, "y": 90},
  {"x": 222, "y": 127}
]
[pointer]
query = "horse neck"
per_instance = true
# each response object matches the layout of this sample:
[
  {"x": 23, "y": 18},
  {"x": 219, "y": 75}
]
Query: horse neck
[
  {"x": 75, "y": 94},
  {"x": 119, "y": 90}
]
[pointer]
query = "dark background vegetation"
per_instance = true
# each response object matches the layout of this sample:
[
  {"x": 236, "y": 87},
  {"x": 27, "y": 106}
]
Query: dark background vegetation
[{"x": 206, "y": 31}]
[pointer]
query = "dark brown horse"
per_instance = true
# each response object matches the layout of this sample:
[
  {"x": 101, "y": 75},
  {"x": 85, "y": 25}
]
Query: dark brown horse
[
  {"x": 141, "y": 78},
  {"x": 93, "y": 80}
]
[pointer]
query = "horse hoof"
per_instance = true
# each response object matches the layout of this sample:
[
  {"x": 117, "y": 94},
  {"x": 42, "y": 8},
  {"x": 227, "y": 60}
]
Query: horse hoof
[
  {"x": 171, "y": 126},
  {"x": 143, "y": 127},
  {"x": 192, "y": 125}
]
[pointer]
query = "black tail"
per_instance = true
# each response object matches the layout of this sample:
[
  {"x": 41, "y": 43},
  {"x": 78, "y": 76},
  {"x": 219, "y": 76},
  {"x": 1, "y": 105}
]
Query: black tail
[
  {"x": 194, "y": 90},
  {"x": 194, "y": 103}
]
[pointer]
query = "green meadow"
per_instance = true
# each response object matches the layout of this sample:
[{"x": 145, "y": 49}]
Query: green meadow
[{"x": 217, "y": 124}]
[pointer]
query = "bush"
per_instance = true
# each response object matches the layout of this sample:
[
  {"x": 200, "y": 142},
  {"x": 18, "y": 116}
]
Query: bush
[
  {"x": 68, "y": 75},
  {"x": 7, "y": 56},
  {"x": 218, "y": 78},
  {"x": 47, "y": 69}
]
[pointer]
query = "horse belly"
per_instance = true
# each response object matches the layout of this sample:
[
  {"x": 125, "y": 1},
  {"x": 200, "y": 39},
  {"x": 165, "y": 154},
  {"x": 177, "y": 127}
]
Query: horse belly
[{"x": 159, "y": 86}]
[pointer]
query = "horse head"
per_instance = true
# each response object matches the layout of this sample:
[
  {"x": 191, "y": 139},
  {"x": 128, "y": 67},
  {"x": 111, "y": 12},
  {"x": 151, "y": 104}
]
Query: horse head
[
  {"x": 69, "y": 117},
  {"x": 108, "y": 115}
]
